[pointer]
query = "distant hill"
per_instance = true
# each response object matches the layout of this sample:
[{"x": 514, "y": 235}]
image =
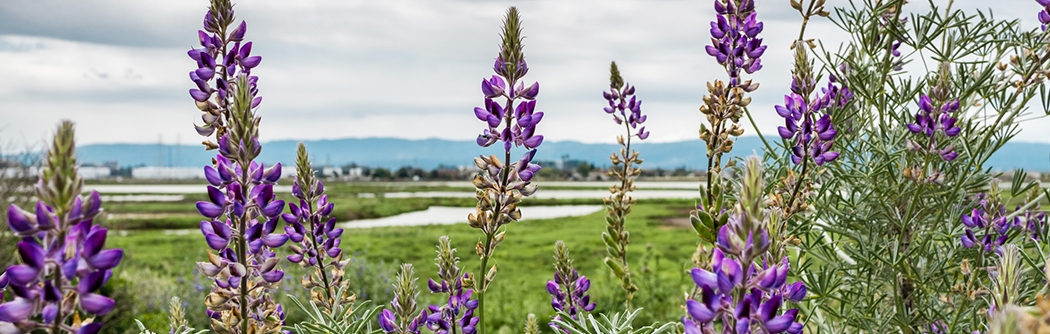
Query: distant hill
[{"x": 430, "y": 153}]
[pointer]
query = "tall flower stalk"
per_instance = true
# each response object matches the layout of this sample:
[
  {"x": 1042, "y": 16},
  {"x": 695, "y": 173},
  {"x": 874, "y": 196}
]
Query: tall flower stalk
[
  {"x": 626, "y": 110},
  {"x": 808, "y": 130},
  {"x": 242, "y": 211},
  {"x": 501, "y": 184},
  {"x": 63, "y": 265},
  {"x": 316, "y": 239},
  {"x": 736, "y": 46}
]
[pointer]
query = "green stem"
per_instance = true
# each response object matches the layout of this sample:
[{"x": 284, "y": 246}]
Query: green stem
[
  {"x": 805, "y": 19},
  {"x": 627, "y": 159},
  {"x": 769, "y": 148},
  {"x": 59, "y": 318},
  {"x": 496, "y": 209},
  {"x": 481, "y": 290},
  {"x": 242, "y": 257},
  {"x": 798, "y": 182}
]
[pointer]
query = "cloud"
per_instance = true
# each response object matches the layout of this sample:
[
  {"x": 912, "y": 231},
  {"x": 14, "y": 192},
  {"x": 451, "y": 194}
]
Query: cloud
[{"x": 409, "y": 69}]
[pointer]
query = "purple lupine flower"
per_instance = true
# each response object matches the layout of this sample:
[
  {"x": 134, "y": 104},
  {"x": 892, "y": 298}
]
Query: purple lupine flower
[
  {"x": 222, "y": 59},
  {"x": 314, "y": 233},
  {"x": 252, "y": 216},
  {"x": 569, "y": 294},
  {"x": 500, "y": 184},
  {"x": 988, "y": 225},
  {"x": 457, "y": 314},
  {"x": 513, "y": 122},
  {"x": 568, "y": 289},
  {"x": 931, "y": 120},
  {"x": 624, "y": 106},
  {"x": 735, "y": 291},
  {"x": 399, "y": 317},
  {"x": 1044, "y": 15},
  {"x": 743, "y": 297},
  {"x": 318, "y": 236},
  {"x": 63, "y": 265},
  {"x": 934, "y": 122},
  {"x": 734, "y": 38},
  {"x": 808, "y": 125},
  {"x": 242, "y": 210},
  {"x": 457, "y": 311}
]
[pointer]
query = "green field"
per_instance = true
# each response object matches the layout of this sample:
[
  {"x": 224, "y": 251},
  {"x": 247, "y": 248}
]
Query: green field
[
  {"x": 162, "y": 244},
  {"x": 159, "y": 264}
]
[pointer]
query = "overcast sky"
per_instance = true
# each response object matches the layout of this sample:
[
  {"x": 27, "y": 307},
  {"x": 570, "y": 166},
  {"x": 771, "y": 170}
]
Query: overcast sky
[{"x": 382, "y": 68}]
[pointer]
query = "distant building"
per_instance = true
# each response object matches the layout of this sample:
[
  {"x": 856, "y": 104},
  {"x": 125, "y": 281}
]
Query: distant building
[
  {"x": 354, "y": 173},
  {"x": 169, "y": 173},
  {"x": 11, "y": 172},
  {"x": 329, "y": 171},
  {"x": 94, "y": 173}
]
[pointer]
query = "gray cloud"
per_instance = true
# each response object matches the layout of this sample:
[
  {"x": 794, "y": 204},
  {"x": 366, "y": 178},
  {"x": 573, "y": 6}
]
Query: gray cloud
[{"x": 409, "y": 69}]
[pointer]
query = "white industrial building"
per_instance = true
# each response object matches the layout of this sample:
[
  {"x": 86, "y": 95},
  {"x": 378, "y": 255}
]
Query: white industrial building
[{"x": 168, "y": 173}]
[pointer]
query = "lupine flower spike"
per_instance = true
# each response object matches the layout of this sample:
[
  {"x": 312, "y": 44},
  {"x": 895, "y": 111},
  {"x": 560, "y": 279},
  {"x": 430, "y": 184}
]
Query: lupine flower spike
[
  {"x": 989, "y": 225},
  {"x": 808, "y": 130},
  {"x": 403, "y": 318},
  {"x": 568, "y": 289},
  {"x": 626, "y": 109},
  {"x": 242, "y": 211},
  {"x": 223, "y": 57},
  {"x": 736, "y": 293},
  {"x": 315, "y": 237},
  {"x": 935, "y": 125},
  {"x": 736, "y": 46},
  {"x": 63, "y": 265},
  {"x": 501, "y": 184},
  {"x": 456, "y": 315}
]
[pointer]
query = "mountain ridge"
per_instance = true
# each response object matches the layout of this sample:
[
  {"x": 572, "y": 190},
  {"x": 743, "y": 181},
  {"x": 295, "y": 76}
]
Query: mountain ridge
[{"x": 431, "y": 153}]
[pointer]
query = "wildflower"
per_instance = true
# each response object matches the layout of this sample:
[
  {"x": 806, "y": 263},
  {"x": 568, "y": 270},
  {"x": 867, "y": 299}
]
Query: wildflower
[
  {"x": 935, "y": 117},
  {"x": 1044, "y": 15},
  {"x": 457, "y": 313},
  {"x": 808, "y": 125},
  {"x": 63, "y": 263},
  {"x": 400, "y": 319},
  {"x": 501, "y": 184},
  {"x": 242, "y": 210},
  {"x": 624, "y": 106},
  {"x": 223, "y": 57},
  {"x": 568, "y": 289},
  {"x": 316, "y": 239},
  {"x": 990, "y": 225},
  {"x": 734, "y": 38},
  {"x": 626, "y": 110},
  {"x": 742, "y": 296}
]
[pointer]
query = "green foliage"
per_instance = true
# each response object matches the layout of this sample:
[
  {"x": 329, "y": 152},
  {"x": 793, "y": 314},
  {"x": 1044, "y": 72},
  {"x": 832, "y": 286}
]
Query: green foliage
[
  {"x": 343, "y": 319},
  {"x": 185, "y": 330},
  {"x": 619, "y": 323},
  {"x": 880, "y": 251}
]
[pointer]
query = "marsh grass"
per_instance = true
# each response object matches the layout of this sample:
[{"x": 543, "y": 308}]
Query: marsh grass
[{"x": 156, "y": 265}]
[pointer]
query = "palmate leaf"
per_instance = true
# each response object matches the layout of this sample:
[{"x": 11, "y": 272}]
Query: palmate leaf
[
  {"x": 344, "y": 319},
  {"x": 620, "y": 323}
]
